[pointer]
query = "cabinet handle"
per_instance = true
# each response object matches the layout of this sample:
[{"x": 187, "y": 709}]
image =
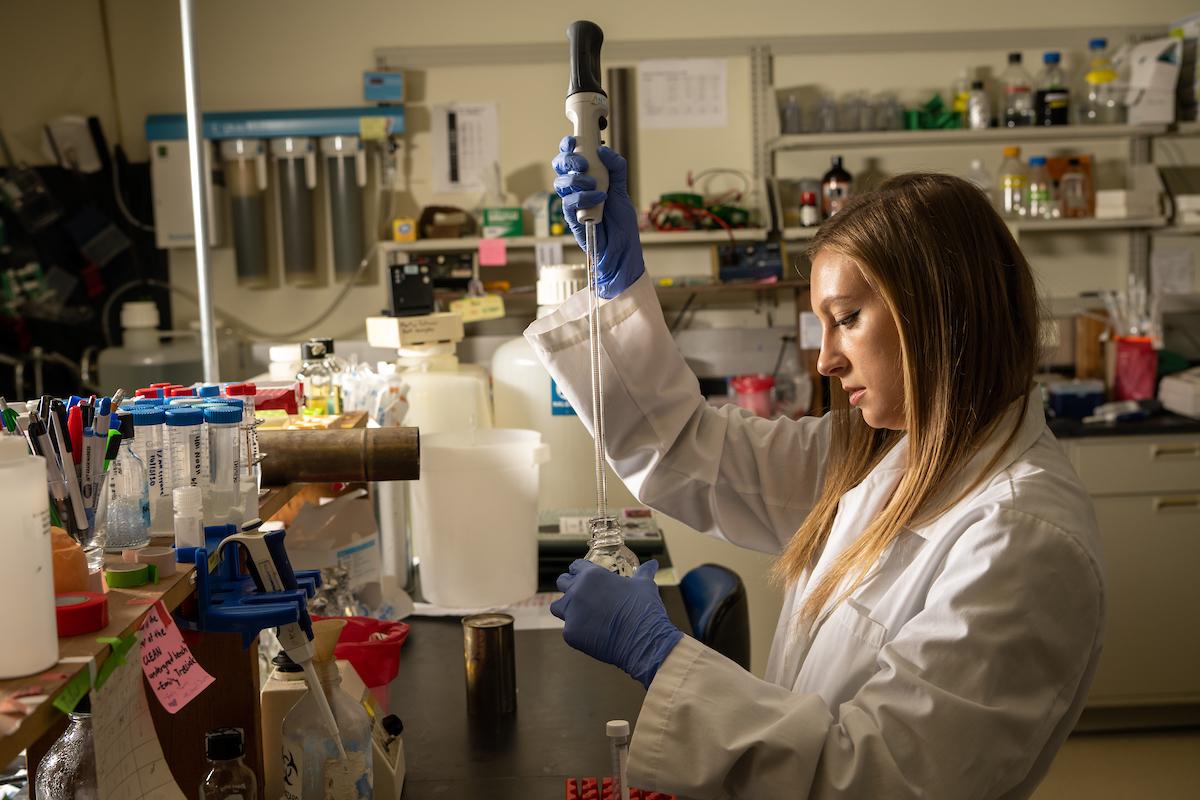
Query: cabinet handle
[
  {"x": 1176, "y": 504},
  {"x": 1175, "y": 451}
]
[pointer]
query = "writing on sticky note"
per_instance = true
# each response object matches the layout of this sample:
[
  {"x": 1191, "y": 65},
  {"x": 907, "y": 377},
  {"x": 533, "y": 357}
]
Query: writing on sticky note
[
  {"x": 493, "y": 252},
  {"x": 171, "y": 670},
  {"x": 479, "y": 309}
]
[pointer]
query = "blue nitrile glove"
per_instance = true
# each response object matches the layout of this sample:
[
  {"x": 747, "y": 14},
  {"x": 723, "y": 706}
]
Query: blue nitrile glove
[
  {"x": 621, "y": 621},
  {"x": 618, "y": 248}
]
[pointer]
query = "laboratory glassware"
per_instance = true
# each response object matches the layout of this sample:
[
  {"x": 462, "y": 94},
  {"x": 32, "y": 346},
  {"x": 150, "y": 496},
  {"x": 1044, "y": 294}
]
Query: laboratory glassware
[
  {"x": 246, "y": 178},
  {"x": 224, "y": 459},
  {"x": 189, "y": 516},
  {"x": 1075, "y": 190},
  {"x": 295, "y": 183},
  {"x": 1103, "y": 104},
  {"x": 618, "y": 744},
  {"x": 793, "y": 116},
  {"x": 1053, "y": 96},
  {"x": 68, "y": 770},
  {"x": 1018, "y": 93},
  {"x": 337, "y": 368},
  {"x": 1013, "y": 180},
  {"x": 979, "y": 107},
  {"x": 836, "y": 187},
  {"x": 313, "y": 764},
  {"x": 184, "y": 437},
  {"x": 148, "y": 443},
  {"x": 810, "y": 212},
  {"x": 960, "y": 92},
  {"x": 587, "y": 109},
  {"x": 346, "y": 176},
  {"x": 979, "y": 177},
  {"x": 322, "y": 396},
  {"x": 1041, "y": 193},
  {"x": 128, "y": 521},
  {"x": 228, "y": 776}
]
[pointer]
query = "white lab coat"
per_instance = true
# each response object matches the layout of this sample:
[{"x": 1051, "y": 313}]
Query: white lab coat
[{"x": 955, "y": 671}]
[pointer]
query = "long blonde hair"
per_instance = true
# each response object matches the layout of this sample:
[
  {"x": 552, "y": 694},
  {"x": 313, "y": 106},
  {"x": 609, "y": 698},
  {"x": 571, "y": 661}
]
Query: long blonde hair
[{"x": 963, "y": 298}]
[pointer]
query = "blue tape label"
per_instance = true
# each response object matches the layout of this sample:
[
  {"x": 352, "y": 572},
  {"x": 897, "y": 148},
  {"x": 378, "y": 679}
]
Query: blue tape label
[{"x": 559, "y": 405}]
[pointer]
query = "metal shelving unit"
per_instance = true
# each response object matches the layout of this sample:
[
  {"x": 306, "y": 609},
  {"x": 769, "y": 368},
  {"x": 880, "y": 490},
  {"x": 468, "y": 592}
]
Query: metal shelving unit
[
  {"x": 649, "y": 238},
  {"x": 924, "y": 138}
]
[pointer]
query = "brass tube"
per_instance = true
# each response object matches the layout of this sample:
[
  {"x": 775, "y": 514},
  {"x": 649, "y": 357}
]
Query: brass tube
[{"x": 328, "y": 456}]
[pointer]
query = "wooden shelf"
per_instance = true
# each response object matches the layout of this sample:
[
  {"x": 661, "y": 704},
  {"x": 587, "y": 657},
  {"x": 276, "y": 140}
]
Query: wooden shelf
[
  {"x": 468, "y": 244},
  {"x": 126, "y": 607},
  {"x": 882, "y": 139}
]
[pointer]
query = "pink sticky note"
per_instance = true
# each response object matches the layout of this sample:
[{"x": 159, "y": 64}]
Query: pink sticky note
[
  {"x": 493, "y": 252},
  {"x": 172, "y": 671}
]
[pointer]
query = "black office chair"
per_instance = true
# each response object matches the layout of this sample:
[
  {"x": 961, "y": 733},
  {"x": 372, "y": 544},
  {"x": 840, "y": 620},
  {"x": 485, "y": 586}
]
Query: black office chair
[{"x": 715, "y": 600}]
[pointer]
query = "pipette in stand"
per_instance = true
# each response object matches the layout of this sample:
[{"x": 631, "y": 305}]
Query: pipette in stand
[
  {"x": 587, "y": 109},
  {"x": 272, "y": 571}
]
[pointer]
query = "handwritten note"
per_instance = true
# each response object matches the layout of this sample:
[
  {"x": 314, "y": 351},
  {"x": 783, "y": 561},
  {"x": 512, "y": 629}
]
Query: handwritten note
[
  {"x": 129, "y": 760},
  {"x": 172, "y": 671},
  {"x": 478, "y": 309},
  {"x": 493, "y": 252}
]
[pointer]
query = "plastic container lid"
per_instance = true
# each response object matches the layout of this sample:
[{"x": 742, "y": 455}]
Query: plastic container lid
[
  {"x": 186, "y": 498},
  {"x": 557, "y": 282},
  {"x": 806, "y": 199},
  {"x": 161, "y": 385},
  {"x": 139, "y": 314},
  {"x": 148, "y": 402},
  {"x": 149, "y": 415},
  {"x": 747, "y": 384},
  {"x": 181, "y": 391},
  {"x": 222, "y": 414},
  {"x": 976, "y": 85},
  {"x": 232, "y": 402},
  {"x": 1099, "y": 43},
  {"x": 1012, "y": 151},
  {"x": 184, "y": 415},
  {"x": 149, "y": 391},
  {"x": 617, "y": 727},
  {"x": 208, "y": 390},
  {"x": 310, "y": 351},
  {"x": 240, "y": 389},
  {"x": 1037, "y": 161},
  {"x": 1052, "y": 57},
  {"x": 284, "y": 353},
  {"x": 224, "y": 744}
]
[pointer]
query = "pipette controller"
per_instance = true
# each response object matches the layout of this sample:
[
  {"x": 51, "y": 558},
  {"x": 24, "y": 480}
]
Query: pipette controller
[
  {"x": 272, "y": 571},
  {"x": 587, "y": 109}
]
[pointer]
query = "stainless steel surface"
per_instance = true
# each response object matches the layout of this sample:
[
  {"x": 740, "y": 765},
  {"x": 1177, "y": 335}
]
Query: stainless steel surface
[
  {"x": 489, "y": 657},
  {"x": 195, "y": 128}
]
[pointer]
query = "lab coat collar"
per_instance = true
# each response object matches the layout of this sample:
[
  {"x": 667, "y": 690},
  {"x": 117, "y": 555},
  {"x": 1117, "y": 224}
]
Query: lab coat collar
[{"x": 1029, "y": 428}]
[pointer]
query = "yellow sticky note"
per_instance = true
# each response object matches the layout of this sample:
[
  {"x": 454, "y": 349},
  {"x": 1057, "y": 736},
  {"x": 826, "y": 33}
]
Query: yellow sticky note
[
  {"x": 479, "y": 309},
  {"x": 372, "y": 128}
]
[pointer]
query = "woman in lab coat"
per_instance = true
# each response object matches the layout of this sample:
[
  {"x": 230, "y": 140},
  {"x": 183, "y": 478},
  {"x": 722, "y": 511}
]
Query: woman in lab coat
[{"x": 944, "y": 593}]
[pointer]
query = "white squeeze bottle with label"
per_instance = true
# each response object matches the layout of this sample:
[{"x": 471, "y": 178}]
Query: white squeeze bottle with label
[{"x": 1013, "y": 182}]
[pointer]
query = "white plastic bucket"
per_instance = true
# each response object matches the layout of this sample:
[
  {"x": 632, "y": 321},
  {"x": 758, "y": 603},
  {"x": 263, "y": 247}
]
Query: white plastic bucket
[{"x": 475, "y": 516}]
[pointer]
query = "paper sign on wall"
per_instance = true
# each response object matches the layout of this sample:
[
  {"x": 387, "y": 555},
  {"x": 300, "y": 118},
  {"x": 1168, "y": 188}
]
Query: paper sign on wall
[
  {"x": 682, "y": 93},
  {"x": 174, "y": 675},
  {"x": 493, "y": 252},
  {"x": 466, "y": 142}
]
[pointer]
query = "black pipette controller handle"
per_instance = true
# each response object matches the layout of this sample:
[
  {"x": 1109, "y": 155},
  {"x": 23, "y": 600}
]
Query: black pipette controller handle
[{"x": 585, "y": 39}]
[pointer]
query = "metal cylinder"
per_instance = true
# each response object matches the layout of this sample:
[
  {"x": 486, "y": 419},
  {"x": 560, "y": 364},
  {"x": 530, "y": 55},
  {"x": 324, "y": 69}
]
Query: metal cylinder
[
  {"x": 491, "y": 664},
  {"x": 328, "y": 456},
  {"x": 622, "y": 120}
]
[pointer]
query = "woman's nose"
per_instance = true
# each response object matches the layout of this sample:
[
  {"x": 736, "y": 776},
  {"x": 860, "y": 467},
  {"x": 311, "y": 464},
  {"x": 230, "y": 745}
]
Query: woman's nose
[{"x": 830, "y": 362}]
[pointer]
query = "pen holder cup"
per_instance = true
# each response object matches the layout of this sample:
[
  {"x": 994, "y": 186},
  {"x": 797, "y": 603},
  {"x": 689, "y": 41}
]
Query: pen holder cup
[{"x": 1134, "y": 365}]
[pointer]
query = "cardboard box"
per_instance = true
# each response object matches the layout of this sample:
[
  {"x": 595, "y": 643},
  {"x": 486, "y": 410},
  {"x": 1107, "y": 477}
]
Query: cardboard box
[{"x": 502, "y": 222}]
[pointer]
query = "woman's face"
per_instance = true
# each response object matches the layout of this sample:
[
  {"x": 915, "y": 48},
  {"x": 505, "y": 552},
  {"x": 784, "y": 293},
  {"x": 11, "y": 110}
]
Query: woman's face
[{"x": 860, "y": 345}]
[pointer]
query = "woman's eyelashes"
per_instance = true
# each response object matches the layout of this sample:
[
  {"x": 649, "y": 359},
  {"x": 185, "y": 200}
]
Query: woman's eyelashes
[{"x": 847, "y": 321}]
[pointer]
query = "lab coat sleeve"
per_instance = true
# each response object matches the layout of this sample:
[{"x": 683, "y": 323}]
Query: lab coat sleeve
[
  {"x": 964, "y": 700},
  {"x": 725, "y": 472}
]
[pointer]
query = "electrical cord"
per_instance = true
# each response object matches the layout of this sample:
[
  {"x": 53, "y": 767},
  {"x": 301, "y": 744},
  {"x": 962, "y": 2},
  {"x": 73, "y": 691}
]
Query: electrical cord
[
  {"x": 228, "y": 318},
  {"x": 119, "y": 196}
]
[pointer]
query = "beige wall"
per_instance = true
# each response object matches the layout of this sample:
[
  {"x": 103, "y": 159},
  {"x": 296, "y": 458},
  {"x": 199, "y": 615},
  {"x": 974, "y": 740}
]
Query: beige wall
[{"x": 304, "y": 53}]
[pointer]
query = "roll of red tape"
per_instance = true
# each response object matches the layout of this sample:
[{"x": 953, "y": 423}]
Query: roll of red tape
[{"x": 80, "y": 612}]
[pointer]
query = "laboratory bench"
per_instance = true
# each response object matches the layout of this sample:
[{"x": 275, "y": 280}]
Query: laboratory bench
[
  {"x": 1162, "y": 423},
  {"x": 564, "y": 699}
]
